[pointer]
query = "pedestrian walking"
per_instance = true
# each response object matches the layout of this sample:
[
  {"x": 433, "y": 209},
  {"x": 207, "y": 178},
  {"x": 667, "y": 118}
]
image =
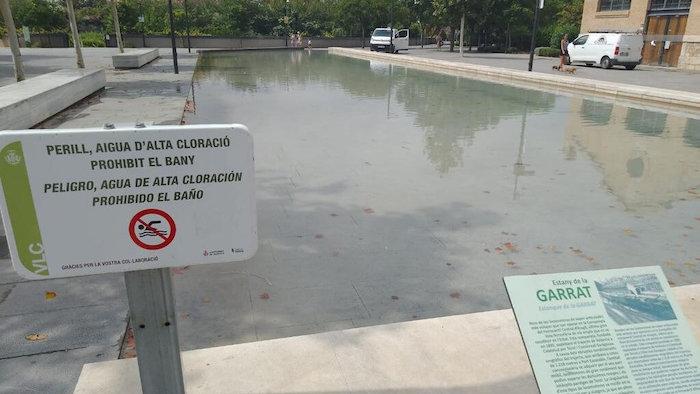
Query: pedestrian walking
[{"x": 563, "y": 51}]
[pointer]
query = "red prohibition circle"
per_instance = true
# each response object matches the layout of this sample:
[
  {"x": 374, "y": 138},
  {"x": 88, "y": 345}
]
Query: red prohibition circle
[{"x": 137, "y": 219}]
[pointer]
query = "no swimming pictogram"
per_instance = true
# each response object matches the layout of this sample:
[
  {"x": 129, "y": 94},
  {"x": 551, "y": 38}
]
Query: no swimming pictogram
[{"x": 152, "y": 229}]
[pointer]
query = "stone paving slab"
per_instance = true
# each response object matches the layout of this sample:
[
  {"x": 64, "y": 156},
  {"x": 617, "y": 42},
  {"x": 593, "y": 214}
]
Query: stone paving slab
[
  {"x": 54, "y": 373},
  {"x": 64, "y": 329},
  {"x": 29, "y": 297}
]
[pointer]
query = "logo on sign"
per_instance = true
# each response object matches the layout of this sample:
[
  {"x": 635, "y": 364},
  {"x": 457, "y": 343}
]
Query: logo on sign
[{"x": 12, "y": 158}]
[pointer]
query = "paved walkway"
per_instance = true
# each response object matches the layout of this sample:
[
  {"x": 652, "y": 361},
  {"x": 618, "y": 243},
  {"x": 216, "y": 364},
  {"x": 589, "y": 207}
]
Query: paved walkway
[
  {"x": 657, "y": 77},
  {"x": 83, "y": 318}
]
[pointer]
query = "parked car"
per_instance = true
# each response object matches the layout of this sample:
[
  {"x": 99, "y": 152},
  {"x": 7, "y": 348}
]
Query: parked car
[
  {"x": 607, "y": 49},
  {"x": 390, "y": 40}
]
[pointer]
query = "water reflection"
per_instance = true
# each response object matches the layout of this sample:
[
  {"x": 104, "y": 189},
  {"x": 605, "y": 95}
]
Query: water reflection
[
  {"x": 649, "y": 159},
  {"x": 449, "y": 109},
  {"x": 691, "y": 136},
  {"x": 645, "y": 122},
  {"x": 595, "y": 112}
]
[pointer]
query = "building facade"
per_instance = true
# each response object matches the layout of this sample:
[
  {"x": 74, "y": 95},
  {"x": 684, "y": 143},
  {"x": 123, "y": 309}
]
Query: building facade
[{"x": 671, "y": 28}]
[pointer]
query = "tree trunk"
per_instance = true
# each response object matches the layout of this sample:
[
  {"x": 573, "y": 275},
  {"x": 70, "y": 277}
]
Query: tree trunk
[
  {"x": 117, "y": 31},
  {"x": 452, "y": 39},
  {"x": 75, "y": 34},
  {"x": 362, "y": 27},
  {"x": 12, "y": 37},
  {"x": 461, "y": 34},
  {"x": 422, "y": 32}
]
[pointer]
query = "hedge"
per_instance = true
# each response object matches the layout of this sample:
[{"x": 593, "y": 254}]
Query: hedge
[{"x": 547, "y": 52}]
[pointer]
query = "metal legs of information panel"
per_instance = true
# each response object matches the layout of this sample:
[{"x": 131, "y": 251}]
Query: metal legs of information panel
[{"x": 152, "y": 309}]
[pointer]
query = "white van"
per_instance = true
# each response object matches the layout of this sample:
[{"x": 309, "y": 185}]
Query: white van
[
  {"x": 607, "y": 49},
  {"x": 390, "y": 40}
]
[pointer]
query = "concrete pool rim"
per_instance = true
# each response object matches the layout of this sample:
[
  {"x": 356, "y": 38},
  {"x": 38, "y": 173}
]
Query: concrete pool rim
[{"x": 666, "y": 98}]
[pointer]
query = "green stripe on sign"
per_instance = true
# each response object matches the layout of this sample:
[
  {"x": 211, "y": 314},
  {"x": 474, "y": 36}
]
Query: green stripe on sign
[{"x": 20, "y": 207}]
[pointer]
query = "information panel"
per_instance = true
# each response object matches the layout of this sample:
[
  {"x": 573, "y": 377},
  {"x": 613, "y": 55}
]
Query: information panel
[
  {"x": 90, "y": 201},
  {"x": 611, "y": 331}
]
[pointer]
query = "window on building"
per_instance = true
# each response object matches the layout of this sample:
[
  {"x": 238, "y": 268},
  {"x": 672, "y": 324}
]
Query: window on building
[
  {"x": 670, "y": 4},
  {"x": 614, "y": 5}
]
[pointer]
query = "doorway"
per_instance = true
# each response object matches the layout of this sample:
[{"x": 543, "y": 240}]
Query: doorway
[{"x": 663, "y": 42}]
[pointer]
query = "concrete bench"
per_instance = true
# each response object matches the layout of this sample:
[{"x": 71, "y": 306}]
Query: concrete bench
[
  {"x": 134, "y": 58},
  {"x": 27, "y": 103}
]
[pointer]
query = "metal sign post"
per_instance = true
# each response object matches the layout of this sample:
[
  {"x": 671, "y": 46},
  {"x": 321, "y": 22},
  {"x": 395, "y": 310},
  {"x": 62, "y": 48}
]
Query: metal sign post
[
  {"x": 187, "y": 28},
  {"x": 539, "y": 4},
  {"x": 172, "y": 35},
  {"x": 153, "y": 319}
]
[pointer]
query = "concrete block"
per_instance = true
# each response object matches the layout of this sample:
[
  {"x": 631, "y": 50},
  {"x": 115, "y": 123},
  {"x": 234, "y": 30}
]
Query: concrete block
[
  {"x": 27, "y": 103},
  {"x": 134, "y": 58}
]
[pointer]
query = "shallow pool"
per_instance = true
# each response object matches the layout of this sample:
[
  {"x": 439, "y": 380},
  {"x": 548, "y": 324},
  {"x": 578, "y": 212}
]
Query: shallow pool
[{"x": 388, "y": 194}]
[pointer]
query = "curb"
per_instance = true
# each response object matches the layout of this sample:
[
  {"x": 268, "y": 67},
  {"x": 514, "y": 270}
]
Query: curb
[{"x": 673, "y": 99}]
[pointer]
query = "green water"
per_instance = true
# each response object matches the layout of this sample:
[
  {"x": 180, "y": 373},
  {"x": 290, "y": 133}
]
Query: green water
[{"x": 381, "y": 172}]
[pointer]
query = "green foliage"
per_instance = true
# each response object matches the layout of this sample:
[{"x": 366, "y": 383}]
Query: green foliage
[
  {"x": 567, "y": 21},
  {"x": 488, "y": 23},
  {"x": 40, "y": 15},
  {"x": 547, "y": 51},
  {"x": 92, "y": 39}
]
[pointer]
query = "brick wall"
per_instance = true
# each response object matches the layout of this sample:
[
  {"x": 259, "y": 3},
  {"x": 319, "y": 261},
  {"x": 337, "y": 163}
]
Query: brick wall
[{"x": 631, "y": 20}]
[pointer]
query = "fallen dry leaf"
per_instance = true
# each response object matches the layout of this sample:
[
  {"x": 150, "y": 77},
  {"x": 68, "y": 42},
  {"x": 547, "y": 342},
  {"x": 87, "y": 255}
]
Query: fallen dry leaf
[
  {"x": 455, "y": 295},
  {"x": 368, "y": 210},
  {"x": 264, "y": 296},
  {"x": 180, "y": 270},
  {"x": 394, "y": 298},
  {"x": 50, "y": 295},
  {"x": 35, "y": 337},
  {"x": 511, "y": 247}
]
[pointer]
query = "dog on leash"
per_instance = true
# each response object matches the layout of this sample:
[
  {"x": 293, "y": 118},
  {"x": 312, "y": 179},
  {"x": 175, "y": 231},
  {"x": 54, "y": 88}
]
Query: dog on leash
[{"x": 570, "y": 70}]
